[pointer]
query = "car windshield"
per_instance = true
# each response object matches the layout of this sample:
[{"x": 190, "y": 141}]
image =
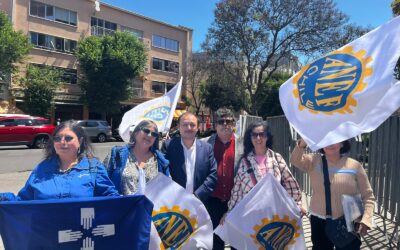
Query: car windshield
[{"x": 104, "y": 123}]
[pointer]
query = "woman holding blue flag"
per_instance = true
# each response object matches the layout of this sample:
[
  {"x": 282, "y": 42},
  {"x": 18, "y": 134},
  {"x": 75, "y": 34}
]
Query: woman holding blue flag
[
  {"x": 69, "y": 169},
  {"x": 131, "y": 166}
]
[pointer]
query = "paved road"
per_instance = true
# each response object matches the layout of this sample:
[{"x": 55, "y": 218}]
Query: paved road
[{"x": 21, "y": 158}]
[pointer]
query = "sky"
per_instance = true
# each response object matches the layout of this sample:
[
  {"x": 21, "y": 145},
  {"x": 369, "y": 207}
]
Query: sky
[{"x": 199, "y": 14}]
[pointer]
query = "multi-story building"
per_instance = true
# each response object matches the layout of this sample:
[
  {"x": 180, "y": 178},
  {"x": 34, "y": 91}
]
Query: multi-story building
[{"x": 55, "y": 28}]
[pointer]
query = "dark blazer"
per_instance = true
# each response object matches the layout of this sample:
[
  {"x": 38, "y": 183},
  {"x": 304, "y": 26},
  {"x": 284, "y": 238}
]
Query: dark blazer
[{"x": 205, "y": 170}]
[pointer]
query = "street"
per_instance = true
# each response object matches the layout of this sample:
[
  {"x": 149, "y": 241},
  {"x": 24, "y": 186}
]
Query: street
[{"x": 21, "y": 158}]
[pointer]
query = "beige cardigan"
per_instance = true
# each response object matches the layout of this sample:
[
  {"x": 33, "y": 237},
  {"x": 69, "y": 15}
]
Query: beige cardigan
[{"x": 347, "y": 177}]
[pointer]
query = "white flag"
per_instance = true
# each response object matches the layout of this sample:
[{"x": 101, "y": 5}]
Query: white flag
[
  {"x": 347, "y": 92},
  {"x": 181, "y": 220},
  {"x": 266, "y": 218},
  {"x": 160, "y": 110}
]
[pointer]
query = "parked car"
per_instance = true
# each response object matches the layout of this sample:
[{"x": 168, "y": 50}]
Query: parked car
[
  {"x": 96, "y": 129},
  {"x": 25, "y": 130}
]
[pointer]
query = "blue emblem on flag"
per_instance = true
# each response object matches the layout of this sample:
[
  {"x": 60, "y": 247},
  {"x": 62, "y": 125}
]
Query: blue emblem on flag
[
  {"x": 158, "y": 114},
  {"x": 276, "y": 233},
  {"x": 328, "y": 84},
  {"x": 173, "y": 226}
]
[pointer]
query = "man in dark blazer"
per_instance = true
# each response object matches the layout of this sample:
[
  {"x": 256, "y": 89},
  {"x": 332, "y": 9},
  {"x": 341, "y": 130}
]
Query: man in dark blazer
[{"x": 192, "y": 162}]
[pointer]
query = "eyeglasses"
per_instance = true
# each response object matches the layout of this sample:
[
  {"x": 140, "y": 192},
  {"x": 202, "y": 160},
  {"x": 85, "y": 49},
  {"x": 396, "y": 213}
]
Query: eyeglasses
[
  {"x": 148, "y": 132},
  {"x": 261, "y": 135},
  {"x": 67, "y": 138},
  {"x": 225, "y": 121}
]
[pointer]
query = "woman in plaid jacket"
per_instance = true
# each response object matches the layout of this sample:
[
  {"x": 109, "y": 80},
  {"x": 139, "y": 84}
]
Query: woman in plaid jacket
[{"x": 257, "y": 160}]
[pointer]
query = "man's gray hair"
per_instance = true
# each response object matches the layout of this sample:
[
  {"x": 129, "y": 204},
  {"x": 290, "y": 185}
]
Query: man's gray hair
[{"x": 224, "y": 112}]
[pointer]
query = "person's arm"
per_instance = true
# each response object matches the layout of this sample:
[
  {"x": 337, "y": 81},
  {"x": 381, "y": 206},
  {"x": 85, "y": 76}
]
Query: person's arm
[
  {"x": 208, "y": 186},
  {"x": 367, "y": 197},
  {"x": 300, "y": 160},
  {"x": 103, "y": 185},
  {"x": 288, "y": 181}
]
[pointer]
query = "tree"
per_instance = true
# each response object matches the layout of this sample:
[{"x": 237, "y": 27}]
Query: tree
[
  {"x": 196, "y": 76},
  {"x": 39, "y": 86},
  {"x": 250, "y": 38},
  {"x": 14, "y": 46},
  {"x": 271, "y": 106},
  {"x": 219, "y": 92},
  {"x": 109, "y": 64}
]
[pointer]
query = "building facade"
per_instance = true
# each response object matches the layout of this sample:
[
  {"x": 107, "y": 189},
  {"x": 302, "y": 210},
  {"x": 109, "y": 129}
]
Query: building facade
[{"x": 55, "y": 28}]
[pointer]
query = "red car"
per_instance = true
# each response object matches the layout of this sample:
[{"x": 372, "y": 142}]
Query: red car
[{"x": 25, "y": 130}]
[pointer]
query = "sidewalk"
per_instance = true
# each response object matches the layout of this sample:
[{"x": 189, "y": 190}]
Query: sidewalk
[{"x": 378, "y": 238}]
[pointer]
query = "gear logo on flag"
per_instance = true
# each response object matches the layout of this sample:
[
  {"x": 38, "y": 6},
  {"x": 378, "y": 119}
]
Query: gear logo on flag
[
  {"x": 174, "y": 226},
  {"x": 329, "y": 84},
  {"x": 276, "y": 233}
]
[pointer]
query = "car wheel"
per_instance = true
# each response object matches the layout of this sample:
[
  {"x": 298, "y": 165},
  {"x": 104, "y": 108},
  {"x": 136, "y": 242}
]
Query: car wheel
[
  {"x": 41, "y": 141},
  {"x": 101, "y": 138}
]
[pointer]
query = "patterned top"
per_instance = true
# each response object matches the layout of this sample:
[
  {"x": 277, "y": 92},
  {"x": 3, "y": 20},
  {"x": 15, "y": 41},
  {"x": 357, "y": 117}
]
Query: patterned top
[
  {"x": 130, "y": 176},
  {"x": 275, "y": 164}
]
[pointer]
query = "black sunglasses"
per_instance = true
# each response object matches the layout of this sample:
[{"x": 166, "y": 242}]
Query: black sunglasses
[
  {"x": 148, "y": 132},
  {"x": 67, "y": 138},
  {"x": 225, "y": 121},
  {"x": 261, "y": 134}
]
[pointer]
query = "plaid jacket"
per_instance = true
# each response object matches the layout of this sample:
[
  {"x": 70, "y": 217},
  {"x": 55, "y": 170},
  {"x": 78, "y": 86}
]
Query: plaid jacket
[{"x": 275, "y": 162}]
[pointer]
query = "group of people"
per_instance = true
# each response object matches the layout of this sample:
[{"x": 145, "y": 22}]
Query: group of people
[{"x": 219, "y": 170}]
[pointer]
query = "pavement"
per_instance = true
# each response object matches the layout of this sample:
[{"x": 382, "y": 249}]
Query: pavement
[{"x": 381, "y": 237}]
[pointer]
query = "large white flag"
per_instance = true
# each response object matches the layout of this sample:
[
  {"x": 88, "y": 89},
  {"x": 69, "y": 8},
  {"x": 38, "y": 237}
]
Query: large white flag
[
  {"x": 160, "y": 110},
  {"x": 266, "y": 218},
  {"x": 347, "y": 92},
  {"x": 181, "y": 220}
]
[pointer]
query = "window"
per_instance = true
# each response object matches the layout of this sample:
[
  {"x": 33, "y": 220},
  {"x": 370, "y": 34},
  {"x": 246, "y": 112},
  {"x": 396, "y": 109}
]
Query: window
[
  {"x": 137, "y": 33},
  {"x": 69, "y": 76},
  {"x": 53, "y": 13},
  {"x": 165, "y": 43},
  {"x": 52, "y": 42},
  {"x": 161, "y": 87},
  {"x": 165, "y": 65},
  {"x": 7, "y": 122},
  {"x": 101, "y": 27}
]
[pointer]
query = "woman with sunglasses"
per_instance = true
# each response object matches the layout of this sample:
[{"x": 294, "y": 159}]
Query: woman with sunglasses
[
  {"x": 258, "y": 159},
  {"x": 69, "y": 169},
  {"x": 131, "y": 166}
]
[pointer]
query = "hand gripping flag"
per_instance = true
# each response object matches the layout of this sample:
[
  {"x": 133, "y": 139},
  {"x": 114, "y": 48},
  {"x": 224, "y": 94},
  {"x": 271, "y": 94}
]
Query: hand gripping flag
[
  {"x": 181, "y": 220},
  {"x": 160, "y": 110},
  {"x": 87, "y": 224},
  {"x": 347, "y": 92},
  {"x": 266, "y": 218}
]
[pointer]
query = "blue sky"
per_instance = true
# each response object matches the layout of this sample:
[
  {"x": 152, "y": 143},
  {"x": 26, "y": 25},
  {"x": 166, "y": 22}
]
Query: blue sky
[{"x": 199, "y": 14}]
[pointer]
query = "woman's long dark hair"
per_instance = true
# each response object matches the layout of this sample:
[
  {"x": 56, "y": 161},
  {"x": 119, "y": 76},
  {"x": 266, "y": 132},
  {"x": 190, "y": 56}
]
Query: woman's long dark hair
[
  {"x": 85, "y": 148},
  {"x": 248, "y": 145}
]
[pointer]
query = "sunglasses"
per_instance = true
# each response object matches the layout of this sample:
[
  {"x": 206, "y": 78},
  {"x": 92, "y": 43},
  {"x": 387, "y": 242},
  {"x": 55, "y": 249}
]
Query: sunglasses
[
  {"x": 148, "y": 132},
  {"x": 225, "y": 121},
  {"x": 261, "y": 135},
  {"x": 67, "y": 138}
]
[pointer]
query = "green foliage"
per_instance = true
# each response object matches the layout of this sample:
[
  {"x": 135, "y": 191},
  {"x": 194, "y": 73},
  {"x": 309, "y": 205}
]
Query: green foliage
[
  {"x": 268, "y": 97},
  {"x": 14, "y": 46},
  {"x": 109, "y": 64},
  {"x": 217, "y": 95},
  {"x": 39, "y": 88}
]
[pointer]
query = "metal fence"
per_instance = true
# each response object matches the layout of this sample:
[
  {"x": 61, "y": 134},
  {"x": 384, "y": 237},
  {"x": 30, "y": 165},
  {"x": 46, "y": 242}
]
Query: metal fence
[{"x": 378, "y": 151}]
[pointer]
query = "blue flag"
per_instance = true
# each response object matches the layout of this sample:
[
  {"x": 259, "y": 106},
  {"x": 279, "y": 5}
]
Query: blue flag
[{"x": 95, "y": 223}]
